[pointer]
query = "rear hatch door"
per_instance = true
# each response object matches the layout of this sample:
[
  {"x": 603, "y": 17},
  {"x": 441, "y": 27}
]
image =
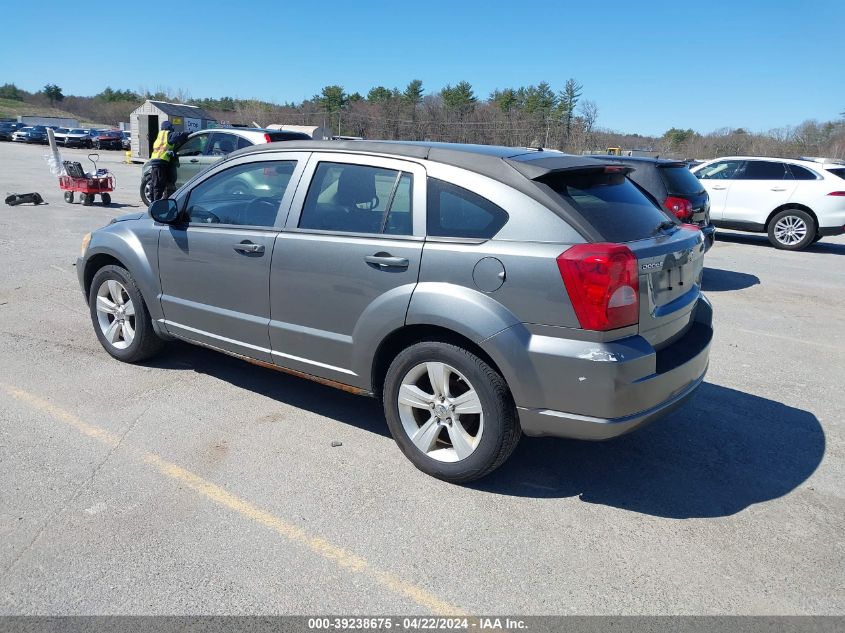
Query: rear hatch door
[
  {"x": 681, "y": 182},
  {"x": 669, "y": 255}
]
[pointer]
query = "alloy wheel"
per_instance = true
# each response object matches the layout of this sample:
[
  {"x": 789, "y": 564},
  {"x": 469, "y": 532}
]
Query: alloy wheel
[
  {"x": 790, "y": 230},
  {"x": 440, "y": 411},
  {"x": 115, "y": 314}
]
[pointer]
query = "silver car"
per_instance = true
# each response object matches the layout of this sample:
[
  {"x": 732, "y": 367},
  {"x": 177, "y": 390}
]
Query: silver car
[
  {"x": 479, "y": 292},
  {"x": 206, "y": 147}
]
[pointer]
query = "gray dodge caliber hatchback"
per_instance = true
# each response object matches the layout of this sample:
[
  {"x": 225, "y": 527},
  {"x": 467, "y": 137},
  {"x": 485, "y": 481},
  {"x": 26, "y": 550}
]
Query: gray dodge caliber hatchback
[{"x": 479, "y": 292}]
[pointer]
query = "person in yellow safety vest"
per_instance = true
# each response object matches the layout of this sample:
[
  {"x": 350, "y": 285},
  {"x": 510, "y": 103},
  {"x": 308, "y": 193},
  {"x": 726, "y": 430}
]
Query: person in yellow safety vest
[{"x": 161, "y": 160}]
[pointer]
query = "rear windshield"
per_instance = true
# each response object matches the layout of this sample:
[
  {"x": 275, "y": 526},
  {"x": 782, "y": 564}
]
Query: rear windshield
[
  {"x": 838, "y": 171},
  {"x": 680, "y": 180},
  {"x": 610, "y": 202}
]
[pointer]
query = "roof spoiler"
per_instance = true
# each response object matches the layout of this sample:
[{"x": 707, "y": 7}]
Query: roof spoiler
[{"x": 543, "y": 168}]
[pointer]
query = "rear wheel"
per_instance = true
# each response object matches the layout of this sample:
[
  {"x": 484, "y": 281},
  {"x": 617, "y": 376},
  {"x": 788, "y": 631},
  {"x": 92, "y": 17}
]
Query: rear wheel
[
  {"x": 792, "y": 230},
  {"x": 106, "y": 198},
  {"x": 69, "y": 197},
  {"x": 87, "y": 199},
  {"x": 450, "y": 413},
  {"x": 121, "y": 320}
]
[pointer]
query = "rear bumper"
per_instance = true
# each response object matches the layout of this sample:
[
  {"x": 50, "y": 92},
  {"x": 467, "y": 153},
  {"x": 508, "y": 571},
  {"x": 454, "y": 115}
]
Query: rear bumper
[
  {"x": 595, "y": 391},
  {"x": 544, "y": 422}
]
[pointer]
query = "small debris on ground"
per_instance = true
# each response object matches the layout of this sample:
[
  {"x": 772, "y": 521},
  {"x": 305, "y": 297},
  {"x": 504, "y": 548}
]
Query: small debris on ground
[{"x": 336, "y": 443}]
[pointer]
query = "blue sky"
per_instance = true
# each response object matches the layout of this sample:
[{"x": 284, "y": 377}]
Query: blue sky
[{"x": 648, "y": 65}]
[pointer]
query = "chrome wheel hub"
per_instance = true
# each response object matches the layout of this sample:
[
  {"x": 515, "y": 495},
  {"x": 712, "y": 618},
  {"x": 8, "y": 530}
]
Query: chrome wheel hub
[{"x": 440, "y": 411}]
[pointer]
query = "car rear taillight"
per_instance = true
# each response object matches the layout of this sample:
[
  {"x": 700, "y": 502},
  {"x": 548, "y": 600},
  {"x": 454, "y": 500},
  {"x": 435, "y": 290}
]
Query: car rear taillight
[
  {"x": 267, "y": 138},
  {"x": 837, "y": 193},
  {"x": 603, "y": 285},
  {"x": 681, "y": 208}
]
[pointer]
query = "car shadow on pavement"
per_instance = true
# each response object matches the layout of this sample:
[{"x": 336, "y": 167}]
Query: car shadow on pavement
[
  {"x": 717, "y": 280},
  {"x": 361, "y": 412},
  {"x": 822, "y": 247},
  {"x": 715, "y": 457}
]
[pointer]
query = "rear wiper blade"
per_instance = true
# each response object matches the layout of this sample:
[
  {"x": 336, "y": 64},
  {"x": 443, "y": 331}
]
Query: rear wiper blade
[{"x": 665, "y": 225}]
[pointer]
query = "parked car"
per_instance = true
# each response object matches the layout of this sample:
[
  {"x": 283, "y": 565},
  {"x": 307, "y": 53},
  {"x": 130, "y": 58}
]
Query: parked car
[
  {"x": 34, "y": 134},
  {"x": 88, "y": 140},
  {"x": 107, "y": 139},
  {"x": 6, "y": 131},
  {"x": 206, "y": 147},
  {"x": 796, "y": 202},
  {"x": 59, "y": 134},
  {"x": 673, "y": 187},
  {"x": 77, "y": 137},
  {"x": 126, "y": 140},
  {"x": 479, "y": 292}
]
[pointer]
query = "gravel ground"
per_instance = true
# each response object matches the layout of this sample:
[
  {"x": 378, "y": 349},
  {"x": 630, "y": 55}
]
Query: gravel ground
[{"x": 200, "y": 484}]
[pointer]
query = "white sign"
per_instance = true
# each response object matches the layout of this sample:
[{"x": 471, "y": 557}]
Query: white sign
[{"x": 192, "y": 125}]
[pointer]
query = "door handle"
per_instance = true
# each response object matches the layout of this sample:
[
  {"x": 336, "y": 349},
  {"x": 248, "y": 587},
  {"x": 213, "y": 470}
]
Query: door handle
[
  {"x": 249, "y": 247},
  {"x": 719, "y": 188},
  {"x": 194, "y": 160},
  {"x": 384, "y": 260},
  {"x": 778, "y": 188}
]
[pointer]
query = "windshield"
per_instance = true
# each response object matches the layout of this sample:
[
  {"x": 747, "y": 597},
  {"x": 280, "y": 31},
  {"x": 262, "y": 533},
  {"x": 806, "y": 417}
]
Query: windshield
[
  {"x": 77, "y": 131},
  {"x": 680, "y": 180},
  {"x": 610, "y": 202}
]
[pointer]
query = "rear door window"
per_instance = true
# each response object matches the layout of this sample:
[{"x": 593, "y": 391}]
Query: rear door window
[
  {"x": 617, "y": 209},
  {"x": 222, "y": 144},
  {"x": 838, "y": 171},
  {"x": 457, "y": 212},
  {"x": 801, "y": 173},
  {"x": 353, "y": 198},
  {"x": 764, "y": 170},
  {"x": 680, "y": 180}
]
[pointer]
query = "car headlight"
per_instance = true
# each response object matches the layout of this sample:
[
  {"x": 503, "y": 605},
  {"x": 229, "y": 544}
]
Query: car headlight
[{"x": 85, "y": 241}]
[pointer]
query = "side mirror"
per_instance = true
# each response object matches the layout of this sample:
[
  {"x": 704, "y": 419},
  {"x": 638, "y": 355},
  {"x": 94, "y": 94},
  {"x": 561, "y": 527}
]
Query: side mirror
[{"x": 164, "y": 211}]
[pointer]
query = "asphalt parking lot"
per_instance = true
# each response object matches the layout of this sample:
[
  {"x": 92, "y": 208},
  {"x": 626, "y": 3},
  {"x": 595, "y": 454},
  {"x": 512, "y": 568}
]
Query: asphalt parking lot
[{"x": 200, "y": 484}]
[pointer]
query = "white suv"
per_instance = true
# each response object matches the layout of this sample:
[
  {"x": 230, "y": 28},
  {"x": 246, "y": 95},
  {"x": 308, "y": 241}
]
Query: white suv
[{"x": 795, "y": 201}]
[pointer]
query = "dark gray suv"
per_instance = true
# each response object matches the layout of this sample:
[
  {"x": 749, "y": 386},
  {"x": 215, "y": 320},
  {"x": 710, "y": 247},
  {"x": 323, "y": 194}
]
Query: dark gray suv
[{"x": 479, "y": 292}]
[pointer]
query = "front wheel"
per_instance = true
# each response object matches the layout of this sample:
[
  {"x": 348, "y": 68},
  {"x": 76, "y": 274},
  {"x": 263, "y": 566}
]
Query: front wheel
[
  {"x": 121, "y": 320},
  {"x": 106, "y": 198},
  {"x": 146, "y": 190},
  {"x": 69, "y": 197},
  {"x": 792, "y": 230},
  {"x": 449, "y": 411}
]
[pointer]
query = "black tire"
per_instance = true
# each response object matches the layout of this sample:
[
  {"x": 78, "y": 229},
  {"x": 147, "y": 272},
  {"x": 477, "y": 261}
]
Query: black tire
[
  {"x": 805, "y": 227},
  {"x": 69, "y": 197},
  {"x": 817, "y": 238},
  {"x": 87, "y": 199},
  {"x": 146, "y": 342},
  {"x": 106, "y": 198},
  {"x": 501, "y": 425},
  {"x": 145, "y": 192}
]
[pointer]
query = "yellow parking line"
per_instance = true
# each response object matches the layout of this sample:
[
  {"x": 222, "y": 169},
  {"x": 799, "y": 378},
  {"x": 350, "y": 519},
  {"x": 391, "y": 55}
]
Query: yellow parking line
[{"x": 327, "y": 550}]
